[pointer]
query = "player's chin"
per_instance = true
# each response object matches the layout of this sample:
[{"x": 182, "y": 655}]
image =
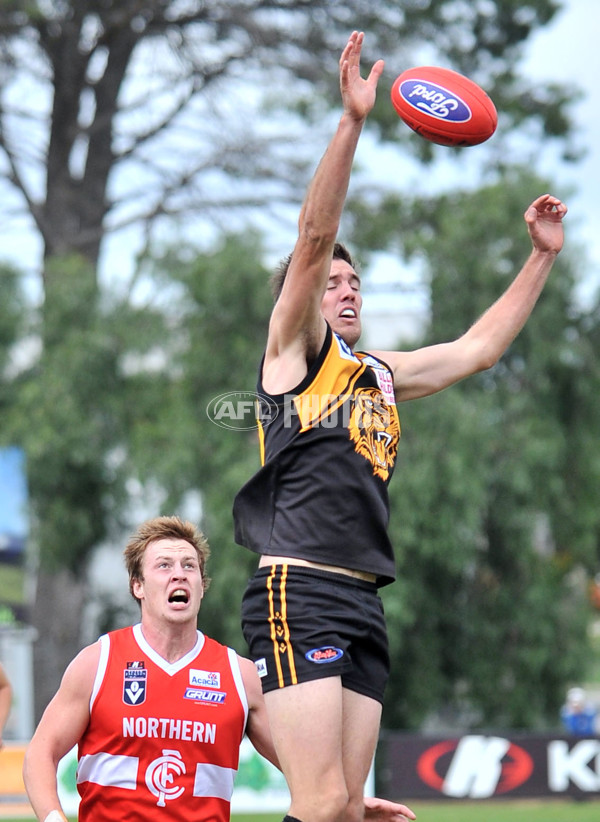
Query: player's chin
[{"x": 348, "y": 329}]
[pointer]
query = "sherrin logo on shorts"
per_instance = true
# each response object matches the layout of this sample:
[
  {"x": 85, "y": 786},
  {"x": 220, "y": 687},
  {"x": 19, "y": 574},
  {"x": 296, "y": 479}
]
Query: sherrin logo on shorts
[
  {"x": 329, "y": 653},
  {"x": 435, "y": 100}
]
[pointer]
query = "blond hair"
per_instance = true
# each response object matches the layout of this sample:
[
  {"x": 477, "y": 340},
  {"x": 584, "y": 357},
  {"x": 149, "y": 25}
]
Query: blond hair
[{"x": 163, "y": 528}]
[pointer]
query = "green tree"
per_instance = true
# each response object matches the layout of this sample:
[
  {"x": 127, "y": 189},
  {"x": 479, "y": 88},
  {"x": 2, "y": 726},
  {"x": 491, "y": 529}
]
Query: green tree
[
  {"x": 222, "y": 308},
  {"x": 487, "y": 626},
  {"x": 121, "y": 111},
  {"x": 129, "y": 112},
  {"x": 487, "y": 523}
]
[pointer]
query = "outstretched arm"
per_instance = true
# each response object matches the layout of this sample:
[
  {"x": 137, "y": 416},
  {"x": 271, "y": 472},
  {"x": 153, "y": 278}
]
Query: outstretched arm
[
  {"x": 55, "y": 736},
  {"x": 428, "y": 370},
  {"x": 297, "y": 328}
]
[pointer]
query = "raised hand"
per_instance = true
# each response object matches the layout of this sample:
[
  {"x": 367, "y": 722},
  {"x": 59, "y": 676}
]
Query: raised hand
[
  {"x": 544, "y": 223},
  {"x": 358, "y": 95}
]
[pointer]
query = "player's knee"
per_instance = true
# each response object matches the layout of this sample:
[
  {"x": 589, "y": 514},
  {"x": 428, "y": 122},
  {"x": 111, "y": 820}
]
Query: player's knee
[
  {"x": 337, "y": 804},
  {"x": 330, "y": 805}
]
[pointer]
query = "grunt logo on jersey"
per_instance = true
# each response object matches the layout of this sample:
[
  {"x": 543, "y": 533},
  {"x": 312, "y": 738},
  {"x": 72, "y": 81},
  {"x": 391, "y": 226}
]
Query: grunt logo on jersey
[
  {"x": 134, "y": 683},
  {"x": 160, "y": 775},
  {"x": 205, "y": 695},
  {"x": 476, "y": 766}
]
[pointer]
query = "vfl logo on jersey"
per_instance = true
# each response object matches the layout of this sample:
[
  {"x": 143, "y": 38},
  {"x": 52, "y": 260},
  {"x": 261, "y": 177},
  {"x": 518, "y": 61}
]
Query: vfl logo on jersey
[
  {"x": 134, "y": 683},
  {"x": 326, "y": 654},
  {"x": 161, "y": 775},
  {"x": 476, "y": 766},
  {"x": 375, "y": 431},
  {"x": 205, "y": 679},
  {"x": 205, "y": 695}
]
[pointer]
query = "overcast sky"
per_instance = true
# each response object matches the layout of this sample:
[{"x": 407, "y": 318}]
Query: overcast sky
[{"x": 567, "y": 50}]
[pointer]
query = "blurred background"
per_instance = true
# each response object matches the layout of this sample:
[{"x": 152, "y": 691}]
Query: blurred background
[{"x": 153, "y": 160}]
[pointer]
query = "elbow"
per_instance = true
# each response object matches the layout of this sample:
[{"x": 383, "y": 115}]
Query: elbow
[
  {"x": 318, "y": 236},
  {"x": 481, "y": 354},
  {"x": 318, "y": 228},
  {"x": 486, "y": 361}
]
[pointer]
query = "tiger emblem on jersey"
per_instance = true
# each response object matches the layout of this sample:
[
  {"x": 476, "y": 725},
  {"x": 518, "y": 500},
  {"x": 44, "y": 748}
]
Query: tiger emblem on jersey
[{"x": 375, "y": 430}]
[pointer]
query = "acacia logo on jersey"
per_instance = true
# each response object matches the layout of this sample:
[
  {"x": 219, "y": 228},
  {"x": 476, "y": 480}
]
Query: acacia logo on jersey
[
  {"x": 240, "y": 410},
  {"x": 205, "y": 679}
]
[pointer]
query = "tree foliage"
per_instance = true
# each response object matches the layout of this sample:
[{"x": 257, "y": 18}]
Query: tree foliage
[
  {"x": 121, "y": 112},
  {"x": 223, "y": 306},
  {"x": 487, "y": 508}
]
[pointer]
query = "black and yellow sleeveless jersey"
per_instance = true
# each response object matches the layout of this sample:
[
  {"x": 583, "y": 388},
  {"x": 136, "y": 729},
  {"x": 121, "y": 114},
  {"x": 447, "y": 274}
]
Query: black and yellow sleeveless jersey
[{"x": 328, "y": 450}]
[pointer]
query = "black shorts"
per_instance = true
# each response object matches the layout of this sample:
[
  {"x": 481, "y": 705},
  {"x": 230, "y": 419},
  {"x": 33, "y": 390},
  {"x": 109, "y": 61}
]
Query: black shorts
[{"x": 303, "y": 624}]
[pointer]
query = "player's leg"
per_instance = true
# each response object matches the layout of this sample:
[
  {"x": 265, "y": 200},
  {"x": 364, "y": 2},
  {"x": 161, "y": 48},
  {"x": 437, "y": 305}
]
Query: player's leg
[
  {"x": 306, "y": 725},
  {"x": 360, "y": 732},
  {"x": 363, "y": 688}
]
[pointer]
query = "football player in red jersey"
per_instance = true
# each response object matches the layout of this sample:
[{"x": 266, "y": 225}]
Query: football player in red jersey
[{"x": 158, "y": 710}]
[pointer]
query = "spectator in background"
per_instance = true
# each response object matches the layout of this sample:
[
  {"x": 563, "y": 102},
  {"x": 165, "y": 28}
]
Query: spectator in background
[
  {"x": 5, "y": 700},
  {"x": 578, "y": 715},
  {"x": 595, "y": 592}
]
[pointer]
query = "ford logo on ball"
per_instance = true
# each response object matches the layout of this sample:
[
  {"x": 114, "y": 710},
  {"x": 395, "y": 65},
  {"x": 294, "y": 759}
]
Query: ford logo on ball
[{"x": 435, "y": 100}]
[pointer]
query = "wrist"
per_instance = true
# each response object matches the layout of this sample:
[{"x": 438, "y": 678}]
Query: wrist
[
  {"x": 550, "y": 253},
  {"x": 352, "y": 120}
]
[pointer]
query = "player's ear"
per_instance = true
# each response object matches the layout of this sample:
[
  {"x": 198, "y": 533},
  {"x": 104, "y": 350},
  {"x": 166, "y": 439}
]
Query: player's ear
[{"x": 137, "y": 588}]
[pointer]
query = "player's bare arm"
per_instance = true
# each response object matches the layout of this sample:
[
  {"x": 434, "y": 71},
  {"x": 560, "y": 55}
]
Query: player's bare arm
[
  {"x": 60, "y": 728},
  {"x": 297, "y": 328},
  {"x": 428, "y": 370},
  {"x": 257, "y": 729}
]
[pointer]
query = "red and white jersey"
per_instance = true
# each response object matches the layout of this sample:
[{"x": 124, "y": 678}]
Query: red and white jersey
[{"x": 163, "y": 738}]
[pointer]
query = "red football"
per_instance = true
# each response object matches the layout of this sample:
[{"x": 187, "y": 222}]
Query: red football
[{"x": 444, "y": 106}]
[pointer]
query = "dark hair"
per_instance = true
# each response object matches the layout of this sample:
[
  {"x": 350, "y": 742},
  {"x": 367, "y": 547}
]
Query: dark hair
[
  {"x": 340, "y": 252},
  {"x": 163, "y": 528}
]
